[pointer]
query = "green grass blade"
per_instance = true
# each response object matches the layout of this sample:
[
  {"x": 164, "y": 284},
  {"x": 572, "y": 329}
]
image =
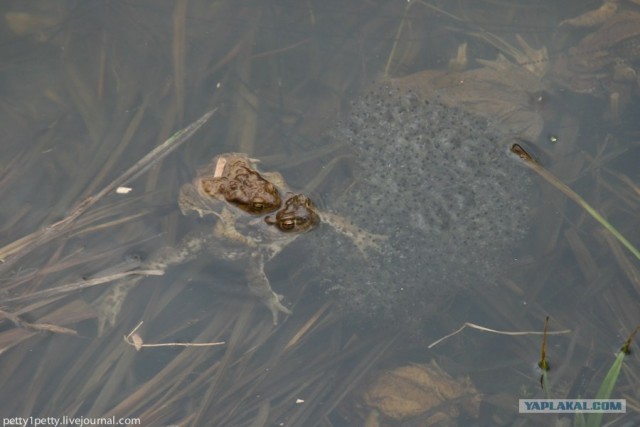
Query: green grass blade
[{"x": 606, "y": 388}]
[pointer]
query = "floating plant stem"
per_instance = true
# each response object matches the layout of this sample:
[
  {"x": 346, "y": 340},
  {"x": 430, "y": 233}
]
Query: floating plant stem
[
  {"x": 494, "y": 331},
  {"x": 625, "y": 348},
  {"x": 135, "y": 340},
  {"x": 551, "y": 179},
  {"x": 543, "y": 364}
]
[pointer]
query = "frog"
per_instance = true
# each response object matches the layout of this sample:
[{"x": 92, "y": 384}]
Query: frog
[{"x": 257, "y": 216}]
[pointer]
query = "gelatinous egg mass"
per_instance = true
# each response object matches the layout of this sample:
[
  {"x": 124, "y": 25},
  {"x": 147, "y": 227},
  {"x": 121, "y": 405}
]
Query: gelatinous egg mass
[{"x": 440, "y": 184}]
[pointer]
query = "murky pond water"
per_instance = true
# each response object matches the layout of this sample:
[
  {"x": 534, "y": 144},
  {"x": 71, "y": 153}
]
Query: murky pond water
[{"x": 395, "y": 117}]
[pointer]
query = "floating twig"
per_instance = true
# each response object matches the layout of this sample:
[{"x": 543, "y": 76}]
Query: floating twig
[
  {"x": 485, "y": 329},
  {"x": 82, "y": 284},
  {"x": 22, "y": 246},
  {"x": 135, "y": 340},
  {"x": 548, "y": 176}
]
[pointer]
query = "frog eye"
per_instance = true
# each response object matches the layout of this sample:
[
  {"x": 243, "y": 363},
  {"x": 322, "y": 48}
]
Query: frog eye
[
  {"x": 287, "y": 224},
  {"x": 258, "y": 205}
]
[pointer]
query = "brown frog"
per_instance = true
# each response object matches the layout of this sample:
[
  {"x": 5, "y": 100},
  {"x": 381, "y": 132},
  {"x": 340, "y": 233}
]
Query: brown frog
[{"x": 257, "y": 217}]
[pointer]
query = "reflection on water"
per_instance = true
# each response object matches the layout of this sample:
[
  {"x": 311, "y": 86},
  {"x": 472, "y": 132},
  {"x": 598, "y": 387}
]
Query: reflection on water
[{"x": 88, "y": 88}]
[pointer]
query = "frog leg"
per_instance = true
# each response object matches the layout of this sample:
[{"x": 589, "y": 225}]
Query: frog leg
[
  {"x": 261, "y": 289},
  {"x": 359, "y": 236},
  {"x": 109, "y": 304},
  {"x": 225, "y": 229}
]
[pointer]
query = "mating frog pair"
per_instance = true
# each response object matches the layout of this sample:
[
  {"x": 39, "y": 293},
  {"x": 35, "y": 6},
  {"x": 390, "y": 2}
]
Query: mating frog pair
[{"x": 257, "y": 217}]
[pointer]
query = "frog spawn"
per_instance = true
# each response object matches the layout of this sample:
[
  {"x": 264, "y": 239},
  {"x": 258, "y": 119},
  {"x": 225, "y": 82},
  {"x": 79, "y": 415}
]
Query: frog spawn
[{"x": 437, "y": 181}]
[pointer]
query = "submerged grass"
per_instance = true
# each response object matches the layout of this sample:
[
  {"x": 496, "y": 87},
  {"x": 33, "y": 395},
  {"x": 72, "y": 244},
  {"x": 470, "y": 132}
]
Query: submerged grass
[
  {"x": 257, "y": 377},
  {"x": 103, "y": 376},
  {"x": 537, "y": 168},
  {"x": 607, "y": 386},
  {"x": 12, "y": 252}
]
